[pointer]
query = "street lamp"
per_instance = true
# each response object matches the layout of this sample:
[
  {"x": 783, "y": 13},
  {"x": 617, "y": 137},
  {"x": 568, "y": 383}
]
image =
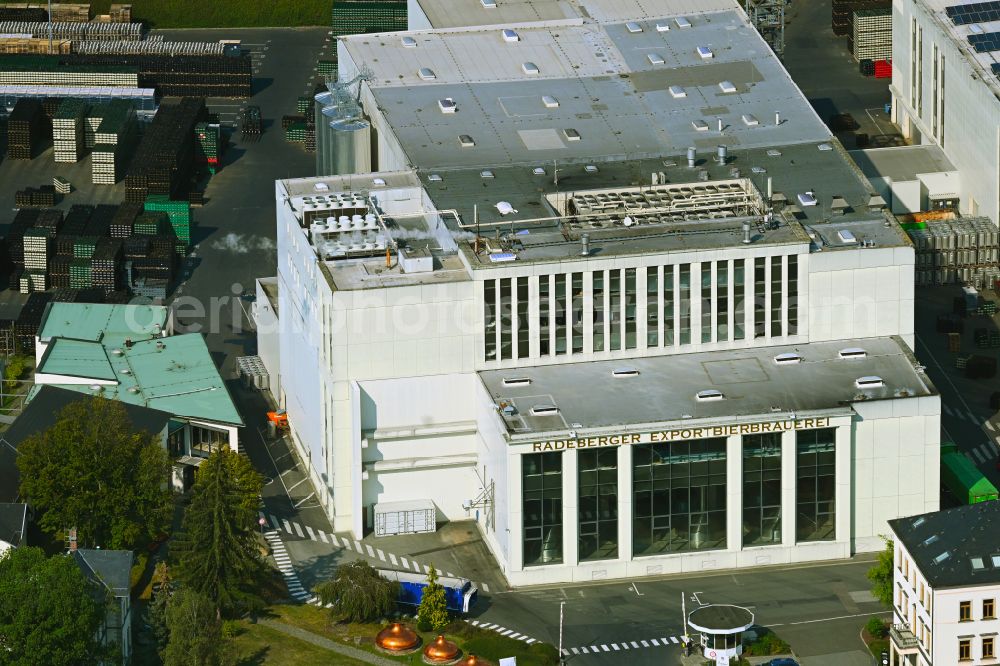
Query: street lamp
[
  {"x": 261, "y": 522},
  {"x": 561, "y": 605}
]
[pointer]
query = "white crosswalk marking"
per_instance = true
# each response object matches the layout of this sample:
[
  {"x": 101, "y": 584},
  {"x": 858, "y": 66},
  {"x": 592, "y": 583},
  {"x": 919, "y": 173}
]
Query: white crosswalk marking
[
  {"x": 674, "y": 639},
  {"x": 312, "y": 535},
  {"x": 615, "y": 646},
  {"x": 392, "y": 558},
  {"x": 990, "y": 426},
  {"x": 574, "y": 651},
  {"x": 972, "y": 417},
  {"x": 288, "y": 528},
  {"x": 584, "y": 650},
  {"x": 665, "y": 641},
  {"x": 406, "y": 562},
  {"x": 416, "y": 567},
  {"x": 284, "y": 562},
  {"x": 371, "y": 552},
  {"x": 516, "y": 635},
  {"x": 381, "y": 555},
  {"x": 486, "y": 588},
  {"x": 506, "y": 632},
  {"x": 275, "y": 523},
  {"x": 993, "y": 447},
  {"x": 947, "y": 409},
  {"x": 427, "y": 569},
  {"x": 298, "y": 530},
  {"x": 322, "y": 536},
  {"x": 530, "y": 641},
  {"x": 654, "y": 642},
  {"x": 644, "y": 643},
  {"x": 606, "y": 648},
  {"x": 634, "y": 644},
  {"x": 979, "y": 456},
  {"x": 357, "y": 547}
]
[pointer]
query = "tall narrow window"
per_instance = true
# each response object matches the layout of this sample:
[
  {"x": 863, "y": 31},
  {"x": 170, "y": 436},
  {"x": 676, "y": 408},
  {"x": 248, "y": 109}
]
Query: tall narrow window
[
  {"x": 706, "y": 301},
  {"x": 631, "y": 307},
  {"x": 934, "y": 90},
  {"x": 490, "y": 319},
  {"x": 913, "y": 63},
  {"x": 541, "y": 493},
  {"x": 577, "y": 311},
  {"x": 506, "y": 320},
  {"x": 776, "y": 282},
  {"x": 739, "y": 298},
  {"x": 920, "y": 71},
  {"x": 684, "y": 325},
  {"x": 762, "y": 489},
  {"x": 722, "y": 301},
  {"x": 679, "y": 496},
  {"x": 816, "y": 485},
  {"x": 668, "y": 305},
  {"x": 598, "y": 512},
  {"x": 544, "y": 308},
  {"x": 942, "y": 101},
  {"x": 522, "y": 318},
  {"x": 598, "y": 317},
  {"x": 562, "y": 313},
  {"x": 652, "y": 307},
  {"x": 615, "y": 320},
  {"x": 793, "y": 294},
  {"x": 759, "y": 297}
]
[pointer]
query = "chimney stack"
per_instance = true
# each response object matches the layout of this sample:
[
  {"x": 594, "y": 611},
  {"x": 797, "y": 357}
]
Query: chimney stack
[
  {"x": 721, "y": 154},
  {"x": 746, "y": 233},
  {"x": 692, "y": 155},
  {"x": 585, "y": 245}
]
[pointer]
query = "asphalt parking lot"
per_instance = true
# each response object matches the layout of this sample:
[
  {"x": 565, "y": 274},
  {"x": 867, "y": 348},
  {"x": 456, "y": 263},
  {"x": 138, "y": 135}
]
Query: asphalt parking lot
[{"x": 826, "y": 72}]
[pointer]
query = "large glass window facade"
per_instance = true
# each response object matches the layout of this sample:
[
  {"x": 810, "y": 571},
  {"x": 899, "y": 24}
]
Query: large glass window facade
[
  {"x": 776, "y": 281},
  {"x": 706, "y": 301},
  {"x": 815, "y": 499},
  {"x": 598, "y": 319},
  {"x": 631, "y": 307},
  {"x": 679, "y": 496},
  {"x": 598, "y": 479},
  {"x": 739, "y": 299},
  {"x": 562, "y": 313},
  {"x": 577, "y": 312},
  {"x": 685, "y": 305},
  {"x": 541, "y": 489},
  {"x": 762, "y": 489},
  {"x": 722, "y": 301},
  {"x": 544, "y": 310},
  {"x": 490, "y": 319},
  {"x": 668, "y": 305},
  {"x": 506, "y": 320},
  {"x": 759, "y": 297},
  {"x": 522, "y": 317},
  {"x": 652, "y": 307},
  {"x": 793, "y": 294},
  {"x": 615, "y": 318}
]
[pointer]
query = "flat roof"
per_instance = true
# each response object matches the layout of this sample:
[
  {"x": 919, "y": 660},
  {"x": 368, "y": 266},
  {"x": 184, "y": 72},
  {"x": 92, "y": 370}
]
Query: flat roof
[
  {"x": 175, "y": 375},
  {"x": 957, "y": 547},
  {"x": 99, "y": 322},
  {"x": 960, "y": 36},
  {"x": 902, "y": 163},
  {"x": 590, "y": 398},
  {"x": 607, "y": 88},
  {"x": 464, "y": 13}
]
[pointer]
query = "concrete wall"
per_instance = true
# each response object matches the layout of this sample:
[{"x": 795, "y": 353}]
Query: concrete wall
[
  {"x": 910, "y": 608},
  {"x": 861, "y": 294},
  {"x": 416, "y": 19},
  {"x": 268, "y": 340},
  {"x": 971, "y": 111}
]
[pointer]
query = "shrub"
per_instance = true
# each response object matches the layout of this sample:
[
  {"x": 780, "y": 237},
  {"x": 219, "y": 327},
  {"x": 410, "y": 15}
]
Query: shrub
[
  {"x": 358, "y": 593},
  {"x": 875, "y": 627},
  {"x": 433, "y": 610}
]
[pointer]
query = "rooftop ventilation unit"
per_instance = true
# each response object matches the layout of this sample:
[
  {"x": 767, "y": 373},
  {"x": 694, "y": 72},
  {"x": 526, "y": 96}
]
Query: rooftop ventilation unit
[
  {"x": 516, "y": 381},
  {"x": 704, "y": 52},
  {"x": 655, "y": 59},
  {"x": 846, "y": 237},
  {"x": 447, "y": 105},
  {"x": 869, "y": 382},
  {"x": 530, "y": 68},
  {"x": 633, "y": 27},
  {"x": 853, "y": 352},
  {"x": 378, "y": 182},
  {"x": 466, "y": 141},
  {"x": 662, "y": 26},
  {"x": 942, "y": 557},
  {"x": 709, "y": 395},
  {"x": 118, "y": 352},
  {"x": 489, "y": 4},
  {"x": 807, "y": 199},
  {"x": 409, "y": 42},
  {"x": 682, "y": 22},
  {"x": 699, "y": 125},
  {"x": 510, "y": 36},
  {"x": 571, "y": 134},
  {"x": 750, "y": 120},
  {"x": 504, "y": 208},
  {"x": 486, "y": 173},
  {"x": 625, "y": 372},
  {"x": 677, "y": 92},
  {"x": 789, "y": 358},
  {"x": 544, "y": 410},
  {"x": 590, "y": 168},
  {"x": 538, "y": 171},
  {"x": 550, "y": 102},
  {"x": 727, "y": 87},
  {"x": 977, "y": 564},
  {"x": 502, "y": 257},
  {"x": 434, "y": 178},
  {"x": 426, "y": 74}
]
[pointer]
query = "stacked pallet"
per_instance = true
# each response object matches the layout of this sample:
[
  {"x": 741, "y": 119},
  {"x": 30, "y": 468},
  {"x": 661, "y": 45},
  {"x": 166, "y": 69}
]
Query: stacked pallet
[
  {"x": 871, "y": 35},
  {"x": 179, "y": 213},
  {"x": 35, "y": 197},
  {"x": 9, "y": 13},
  {"x": 62, "y": 185},
  {"x": 163, "y": 162},
  {"x": 76, "y": 32},
  {"x": 105, "y": 264},
  {"x": 34, "y": 45},
  {"x": 114, "y": 142},
  {"x": 843, "y": 13},
  {"x": 327, "y": 70},
  {"x": 48, "y": 70},
  {"x": 179, "y": 75},
  {"x": 49, "y": 221},
  {"x": 208, "y": 144},
  {"x": 76, "y": 220},
  {"x": 152, "y": 223},
  {"x": 28, "y": 321},
  {"x": 120, "y": 13},
  {"x": 124, "y": 219},
  {"x": 68, "y": 134},
  {"x": 251, "y": 124},
  {"x": 965, "y": 250},
  {"x": 26, "y": 128}
]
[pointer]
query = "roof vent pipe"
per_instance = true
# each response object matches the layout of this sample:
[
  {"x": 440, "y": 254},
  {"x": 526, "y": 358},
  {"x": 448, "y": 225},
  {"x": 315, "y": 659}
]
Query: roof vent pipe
[
  {"x": 720, "y": 124},
  {"x": 770, "y": 192},
  {"x": 721, "y": 154},
  {"x": 746, "y": 233},
  {"x": 585, "y": 245},
  {"x": 777, "y": 117},
  {"x": 692, "y": 156}
]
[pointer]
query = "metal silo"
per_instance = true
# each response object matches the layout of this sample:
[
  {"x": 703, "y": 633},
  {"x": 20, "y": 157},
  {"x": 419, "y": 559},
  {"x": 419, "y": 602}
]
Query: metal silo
[
  {"x": 351, "y": 146},
  {"x": 327, "y": 108}
]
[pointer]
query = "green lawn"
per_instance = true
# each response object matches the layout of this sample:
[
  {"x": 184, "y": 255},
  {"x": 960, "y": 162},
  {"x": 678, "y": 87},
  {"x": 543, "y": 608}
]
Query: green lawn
[
  {"x": 223, "y": 13},
  {"x": 257, "y": 644}
]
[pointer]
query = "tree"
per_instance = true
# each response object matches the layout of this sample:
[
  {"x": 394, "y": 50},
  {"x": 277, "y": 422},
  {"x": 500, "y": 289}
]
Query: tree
[
  {"x": 158, "y": 606},
  {"x": 433, "y": 610},
  {"x": 195, "y": 632},
  {"x": 94, "y": 471},
  {"x": 880, "y": 574},
  {"x": 49, "y": 612},
  {"x": 217, "y": 550},
  {"x": 358, "y": 593}
]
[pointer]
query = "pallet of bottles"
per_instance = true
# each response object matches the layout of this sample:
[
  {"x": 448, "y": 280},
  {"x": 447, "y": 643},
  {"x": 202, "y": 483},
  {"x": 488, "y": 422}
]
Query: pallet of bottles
[
  {"x": 163, "y": 162},
  {"x": 84, "y": 246},
  {"x": 49, "y": 70},
  {"x": 877, "y": 52},
  {"x": 74, "y": 31},
  {"x": 251, "y": 124},
  {"x": 76, "y": 219},
  {"x": 296, "y": 133},
  {"x": 62, "y": 12},
  {"x": 34, "y": 45},
  {"x": 23, "y": 220},
  {"x": 304, "y": 105},
  {"x": 151, "y": 288},
  {"x": 50, "y": 221},
  {"x": 179, "y": 215},
  {"x": 289, "y": 120},
  {"x": 883, "y": 69},
  {"x": 842, "y": 13},
  {"x": 151, "y": 223},
  {"x": 80, "y": 273},
  {"x": 35, "y": 197},
  {"x": 26, "y": 14},
  {"x": 26, "y": 128},
  {"x": 118, "y": 122},
  {"x": 36, "y": 250},
  {"x": 28, "y": 320},
  {"x": 180, "y": 75},
  {"x": 327, "y": 69},
  {"x": 62, "y": 185},
  {"x": 105, "y": 264},
  {"x": 31, "y": 281},
  {"x": 119, "y": 13},
  {"x": 124, "y": 219}
]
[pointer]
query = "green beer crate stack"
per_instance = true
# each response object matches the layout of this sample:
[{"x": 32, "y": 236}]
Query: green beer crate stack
[
  {"x": 81, "y": 273},
  {"x": 296, "y": 133},
  {"x": 152, "y": 224},
  {"x": 327, "y": 70},
  {"x": 84, "y": 246},
  {"x": 179, "y": 213},
  {"x": 304, "y": 105},
  {"x": 208, "y": 145}
]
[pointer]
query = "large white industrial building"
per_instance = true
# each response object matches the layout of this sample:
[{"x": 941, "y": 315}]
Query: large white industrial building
[
  {"x": 613, "y": 291},
  {"x": 945, "y": 92}
]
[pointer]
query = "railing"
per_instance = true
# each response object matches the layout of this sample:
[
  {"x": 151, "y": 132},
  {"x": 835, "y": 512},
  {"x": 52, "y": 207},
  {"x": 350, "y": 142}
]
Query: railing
[{"x": 903, "y": 637}]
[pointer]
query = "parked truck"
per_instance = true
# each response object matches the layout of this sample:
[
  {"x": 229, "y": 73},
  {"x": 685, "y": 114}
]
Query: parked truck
[
  {"x": 964, "y": 479},
  {"x": 460, "y": 593}
]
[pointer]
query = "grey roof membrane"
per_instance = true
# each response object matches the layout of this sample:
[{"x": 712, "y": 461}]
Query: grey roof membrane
[
  {"x": 13, "y": 522},
  {"x": 902, "y": 163},
  {"x": 589, "y": 397},
  {"x": 111, "y": 568},
  {"x": 950, "y": 557}
]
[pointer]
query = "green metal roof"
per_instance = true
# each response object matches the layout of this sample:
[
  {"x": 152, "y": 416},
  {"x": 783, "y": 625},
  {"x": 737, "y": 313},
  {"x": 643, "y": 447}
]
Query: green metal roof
[
  {"x": 107, "y": 324},
  {"x": 76, "y": 358},
  {"x": 175, "y": 374}
]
